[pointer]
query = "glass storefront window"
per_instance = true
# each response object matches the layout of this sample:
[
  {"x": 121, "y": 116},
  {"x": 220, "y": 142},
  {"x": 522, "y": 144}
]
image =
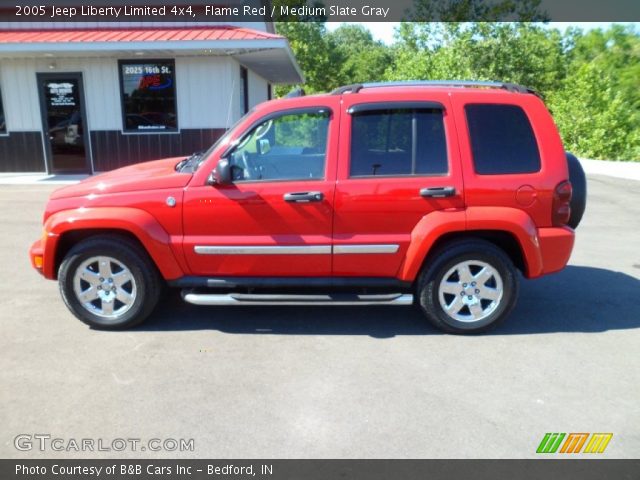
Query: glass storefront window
[{"x": 148, "y": 95}]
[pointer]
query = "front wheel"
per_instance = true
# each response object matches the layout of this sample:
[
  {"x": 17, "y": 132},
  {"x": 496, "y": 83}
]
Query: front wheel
[
  {"x": 468, "y": 286},
  {"x": 109, "y": 282}
]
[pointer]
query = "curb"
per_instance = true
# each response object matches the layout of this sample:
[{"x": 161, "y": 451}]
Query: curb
[{"x": 626, "y": 170}]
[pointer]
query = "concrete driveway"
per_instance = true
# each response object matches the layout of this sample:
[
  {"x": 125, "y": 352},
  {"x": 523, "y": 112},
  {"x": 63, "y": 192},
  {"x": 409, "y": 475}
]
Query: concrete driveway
[{"x": 331, "y": 382}]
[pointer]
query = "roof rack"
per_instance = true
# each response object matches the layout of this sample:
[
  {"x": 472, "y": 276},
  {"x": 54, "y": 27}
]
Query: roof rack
[
  {"x": 510, "y": 87},
  {"x": 296, "y": 92}
]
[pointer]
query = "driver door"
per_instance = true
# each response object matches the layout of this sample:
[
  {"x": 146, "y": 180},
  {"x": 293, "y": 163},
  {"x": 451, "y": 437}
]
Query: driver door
[{"x": 275, "y": 217}]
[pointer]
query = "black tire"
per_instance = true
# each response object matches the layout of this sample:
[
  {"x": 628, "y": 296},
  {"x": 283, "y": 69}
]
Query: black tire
[
  {"x": 579, "y": 186},
  {"x": 145, "y": 276},
  {"x": 445, "y": 259}
]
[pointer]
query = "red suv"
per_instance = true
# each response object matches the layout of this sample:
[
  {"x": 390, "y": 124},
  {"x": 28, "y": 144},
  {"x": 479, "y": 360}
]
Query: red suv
[{"x": 433, "y": 193}]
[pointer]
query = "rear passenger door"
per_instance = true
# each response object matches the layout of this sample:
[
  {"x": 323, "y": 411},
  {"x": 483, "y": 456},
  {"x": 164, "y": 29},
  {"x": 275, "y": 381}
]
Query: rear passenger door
[{"x": 398, "y": 162}]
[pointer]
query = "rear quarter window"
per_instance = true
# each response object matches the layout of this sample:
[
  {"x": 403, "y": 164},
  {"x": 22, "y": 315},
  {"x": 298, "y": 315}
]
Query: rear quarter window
[{"x": 502, "y": 140}]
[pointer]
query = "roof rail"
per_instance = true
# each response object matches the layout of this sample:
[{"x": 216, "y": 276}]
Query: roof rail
[
  {"x": 510, "y": 87},
  {"x": 296, "y": 92},
  {"x": 354, "y": 88}
]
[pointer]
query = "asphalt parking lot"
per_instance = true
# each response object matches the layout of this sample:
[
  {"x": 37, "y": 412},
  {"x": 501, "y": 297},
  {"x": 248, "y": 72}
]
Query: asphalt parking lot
[{"x": 333, "y": 382}]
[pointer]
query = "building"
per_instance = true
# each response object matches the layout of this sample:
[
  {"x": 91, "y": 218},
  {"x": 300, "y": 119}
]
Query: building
[{"x": 85, "y": 98}]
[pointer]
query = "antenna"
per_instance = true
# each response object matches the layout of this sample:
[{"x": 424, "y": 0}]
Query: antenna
[{"x": 233, "y": 89}]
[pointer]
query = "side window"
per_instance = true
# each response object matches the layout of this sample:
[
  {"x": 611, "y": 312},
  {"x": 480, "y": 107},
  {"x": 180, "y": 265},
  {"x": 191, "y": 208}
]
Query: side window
[
  {"x": 288, "y": 147},
  {"x": 399, "y": 141},
  {"x": 502, "y": 140}
]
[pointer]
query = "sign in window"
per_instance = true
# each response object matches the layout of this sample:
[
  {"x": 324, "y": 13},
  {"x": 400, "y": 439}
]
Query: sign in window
[{"x": 148, "y": 96}]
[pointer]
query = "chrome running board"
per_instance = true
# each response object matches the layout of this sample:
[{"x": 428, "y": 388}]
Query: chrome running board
[{"x": 271, "y": 299}]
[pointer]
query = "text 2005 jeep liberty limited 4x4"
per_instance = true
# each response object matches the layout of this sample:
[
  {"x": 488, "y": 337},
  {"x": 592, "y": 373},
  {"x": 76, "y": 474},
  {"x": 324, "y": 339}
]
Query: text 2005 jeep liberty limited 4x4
[{"x": 433, "y": 193}]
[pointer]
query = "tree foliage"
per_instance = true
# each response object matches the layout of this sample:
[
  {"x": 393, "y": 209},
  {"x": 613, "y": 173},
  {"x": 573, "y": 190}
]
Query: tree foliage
[
  {"x": 590, "y": 80},
  {"x": 477, "y": 10},
  {"x": 593, "y": 116}
]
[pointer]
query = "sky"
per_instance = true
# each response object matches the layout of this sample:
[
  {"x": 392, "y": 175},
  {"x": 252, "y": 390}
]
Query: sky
[{"x": 384, "y": 30}]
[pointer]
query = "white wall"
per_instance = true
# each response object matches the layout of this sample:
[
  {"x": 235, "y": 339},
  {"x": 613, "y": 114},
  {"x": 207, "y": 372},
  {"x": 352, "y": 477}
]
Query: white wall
[
  {"x": 204, "y": 86},
  {"x": 258, "y": 89},
  {"x": 101, "y": 90}
]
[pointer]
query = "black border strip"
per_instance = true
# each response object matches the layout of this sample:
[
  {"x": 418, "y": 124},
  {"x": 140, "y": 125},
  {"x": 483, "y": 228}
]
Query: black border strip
[{"x": 568, "y": 469}]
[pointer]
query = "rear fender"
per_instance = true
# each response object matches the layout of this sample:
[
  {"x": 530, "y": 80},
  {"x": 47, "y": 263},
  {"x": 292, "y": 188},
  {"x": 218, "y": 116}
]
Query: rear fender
[
  {"x": 435, "y": 225},
  {"x": 153, "y": 237},
  {"x": 516, "y": 222}
]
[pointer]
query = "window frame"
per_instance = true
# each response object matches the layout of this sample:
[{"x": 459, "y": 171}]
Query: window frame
[
  {"x": 271, "y": 116},
  {"x": 165, "y": 131},
  {"x": 244, "y": 80},
  {"x": 3, "y": 132},
  {"x": 399, "y": 105},
  {"x": 470, "y": 140}
]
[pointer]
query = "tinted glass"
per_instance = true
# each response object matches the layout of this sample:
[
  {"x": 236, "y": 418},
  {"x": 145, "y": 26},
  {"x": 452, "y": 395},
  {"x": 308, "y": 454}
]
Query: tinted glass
[
  {"x": 288, "y": 147},
  {"x": 398, "y": 142},
  {"x": 149, "y": 96},
  {"x": 65, "y": 124},
  {"x": 502, "y": 140},
  {"x": 3, "y": 124}
]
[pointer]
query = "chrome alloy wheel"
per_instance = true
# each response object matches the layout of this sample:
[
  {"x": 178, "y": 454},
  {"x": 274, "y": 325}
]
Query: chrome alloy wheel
[
  {"x": 104, "y": 287},
  {"x": 470, "y": 291}
]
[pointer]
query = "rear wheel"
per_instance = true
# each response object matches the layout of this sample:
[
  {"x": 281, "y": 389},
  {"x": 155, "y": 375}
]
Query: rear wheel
[
  {"x": 109, "y": 282},
  {"x": 469, "y": 286}
]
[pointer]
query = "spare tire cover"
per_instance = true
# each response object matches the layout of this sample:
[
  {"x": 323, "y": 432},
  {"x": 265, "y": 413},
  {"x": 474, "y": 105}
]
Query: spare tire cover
[{"x": 579, "y": 186}]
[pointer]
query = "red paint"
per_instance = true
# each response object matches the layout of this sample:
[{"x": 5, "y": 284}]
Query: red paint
[
  {"x": 114, "y": 35},
  {"x": 354, "y": 211}
]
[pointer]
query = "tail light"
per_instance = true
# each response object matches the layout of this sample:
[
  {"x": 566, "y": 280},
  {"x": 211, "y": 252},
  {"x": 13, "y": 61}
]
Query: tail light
[{"x": 561, "y": 204}]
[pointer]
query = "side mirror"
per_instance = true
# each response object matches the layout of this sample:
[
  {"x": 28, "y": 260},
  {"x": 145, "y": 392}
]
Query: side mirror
[{"x": 221, "y": 175}]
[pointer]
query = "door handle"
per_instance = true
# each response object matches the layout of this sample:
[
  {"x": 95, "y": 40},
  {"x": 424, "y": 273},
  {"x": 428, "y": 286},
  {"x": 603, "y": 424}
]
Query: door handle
[
  {"x": 303, "y": 197},
  {"x": 438, "y": 192}
]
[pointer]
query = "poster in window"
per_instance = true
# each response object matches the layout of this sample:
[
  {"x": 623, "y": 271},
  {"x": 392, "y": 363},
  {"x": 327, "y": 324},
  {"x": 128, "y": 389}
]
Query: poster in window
[
  {"x": 61, "y": 94},
  {"x": 148, "y": 95}
]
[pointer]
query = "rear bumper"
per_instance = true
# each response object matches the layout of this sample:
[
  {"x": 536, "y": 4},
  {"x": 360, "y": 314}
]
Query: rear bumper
[{"x": 556, "y": 245}]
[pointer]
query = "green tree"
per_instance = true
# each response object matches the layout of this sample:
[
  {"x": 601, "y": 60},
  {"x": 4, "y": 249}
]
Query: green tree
[
  {"x": 594, "y": 117},
  {"x": 524, "y": 53},
  {"x": 360, "y": 57},
  {"x": 314, "y": 52},
  {"x": 477, "y": 11},
  {"x": 615, "y": 50},
  {"x": 591, "y": 81}
]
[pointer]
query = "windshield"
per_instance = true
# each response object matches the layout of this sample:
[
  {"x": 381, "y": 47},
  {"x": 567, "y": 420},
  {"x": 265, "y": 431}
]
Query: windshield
[
  {"x": 224, "y": 138},
  {"x": 192, "y": 162}
]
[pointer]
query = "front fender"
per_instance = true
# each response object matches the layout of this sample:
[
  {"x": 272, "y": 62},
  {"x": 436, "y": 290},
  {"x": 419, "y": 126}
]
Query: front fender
[
  {"x": 436, "y": 224},
  {"x": 141, "y": 224}
]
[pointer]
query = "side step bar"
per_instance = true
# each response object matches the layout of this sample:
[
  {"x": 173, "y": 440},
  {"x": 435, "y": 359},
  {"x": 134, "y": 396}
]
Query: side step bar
[{"x": 271, "y": 299}]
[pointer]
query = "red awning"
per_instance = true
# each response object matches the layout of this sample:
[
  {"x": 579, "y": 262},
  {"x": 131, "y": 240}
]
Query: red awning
[
  {"x": 134, "y": 35},
  {"x": 267, "y": 54}
]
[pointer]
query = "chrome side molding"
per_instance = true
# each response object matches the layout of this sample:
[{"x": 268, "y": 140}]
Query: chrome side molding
[
  {"x": 294, "y": 249},
  {"x": 345, "y": 249},
  {"x": 263, "y": 250}
]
